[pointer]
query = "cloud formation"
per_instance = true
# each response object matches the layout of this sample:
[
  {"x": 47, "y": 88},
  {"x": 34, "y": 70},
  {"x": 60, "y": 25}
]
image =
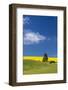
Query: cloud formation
[
  {"x": 26, "y": 20},
  {"x": 33, "y": 37}
]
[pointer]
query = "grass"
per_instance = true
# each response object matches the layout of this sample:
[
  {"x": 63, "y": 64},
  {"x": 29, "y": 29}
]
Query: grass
[{"x": 37, "y": 67}]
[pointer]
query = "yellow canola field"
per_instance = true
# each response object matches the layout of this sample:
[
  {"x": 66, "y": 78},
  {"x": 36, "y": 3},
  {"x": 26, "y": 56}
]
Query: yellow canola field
[{"x": 39, "y": 58}]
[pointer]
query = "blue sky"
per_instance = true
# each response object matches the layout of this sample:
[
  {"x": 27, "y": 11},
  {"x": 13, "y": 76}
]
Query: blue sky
[{"x": 40, "y": 35}]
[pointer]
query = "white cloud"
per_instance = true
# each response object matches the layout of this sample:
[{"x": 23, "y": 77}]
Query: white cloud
[
  {"x": 33, "y": 37},
  {"x": 26, "y": 20}
]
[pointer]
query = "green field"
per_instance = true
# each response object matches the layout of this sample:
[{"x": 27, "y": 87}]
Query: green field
[{"x": 37, "y": 67}]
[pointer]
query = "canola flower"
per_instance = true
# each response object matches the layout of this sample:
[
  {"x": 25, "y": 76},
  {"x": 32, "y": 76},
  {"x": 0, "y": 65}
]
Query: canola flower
[{"x": 39, "y": 58}]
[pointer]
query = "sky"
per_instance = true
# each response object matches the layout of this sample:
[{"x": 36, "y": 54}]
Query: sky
[{"x": 40, "y": 35}]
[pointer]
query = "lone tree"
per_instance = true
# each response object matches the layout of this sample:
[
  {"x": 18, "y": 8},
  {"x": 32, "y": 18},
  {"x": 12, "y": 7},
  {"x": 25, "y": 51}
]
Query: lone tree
[{"x": 45, "y": 58}]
